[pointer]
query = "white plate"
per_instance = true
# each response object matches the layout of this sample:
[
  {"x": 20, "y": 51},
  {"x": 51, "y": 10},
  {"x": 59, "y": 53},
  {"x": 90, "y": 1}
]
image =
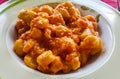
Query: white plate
[{"x": 12, "y": 68}]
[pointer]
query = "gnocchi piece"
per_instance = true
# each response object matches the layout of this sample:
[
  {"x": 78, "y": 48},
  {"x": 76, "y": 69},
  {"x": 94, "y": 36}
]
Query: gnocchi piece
[
  {"x": 36, "y": 9},
  {"x": 45, "y": 59},
  {"x": 47, "y": 9},
  {"x": 74, "y": 13},
  {"x": 63, "y": 11},
  {"x": 35, "y": 33},
  {"x": 70, "y": 56},
  {"x": 73, "y": 60},
  {"x": 27, "y": 15},
  {"x": 85, "y": 33},
  {"x": 28, "y": 45},
  {"x": 92, "y": 43},
  {"x": 68, "y": 11},
  {"x": 56, "y": 65},
  {"x": 30, "y": 62},
  {"x": 66, "y": 68},
  {"x": 83, "y": 58},
  {"x": 62, "y": 31},
  {"x": 36, "y": 51},
  {"x": 75, "y": 63},
  {"x": 76, "y": 38},
  {"x": 21, "y": 27},
  {"x": 25, "y": 36},
  {"x": 98, "y": 47},
  {"x": 47, "y": 33},
  {"x": 39, "y": 22},
  {"x": 43, "y": 14},
  {"x": 93, "y": 21},
  {"x": 63, "y": 44},
  {"x": 18, "y": 47},
  {"x": 68, "y": 4},
  {"x": 44, "y": 69},
  {"x": 21, "y": 31},
  {"x": 19, "y": 24},
  {"x": 90, "y": 18},
  {"x": 82, "y": 23},
  {"x": 56, "y": 18},
  {"x": 95, "y": 25}
]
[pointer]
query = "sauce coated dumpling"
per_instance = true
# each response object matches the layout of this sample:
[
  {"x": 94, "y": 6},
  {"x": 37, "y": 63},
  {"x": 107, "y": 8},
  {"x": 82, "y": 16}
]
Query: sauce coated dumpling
[{"x": 56, "y": 39}]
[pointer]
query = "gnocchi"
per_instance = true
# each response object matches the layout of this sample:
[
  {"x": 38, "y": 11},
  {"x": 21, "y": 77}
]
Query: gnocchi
[{"x": 56, "y": 39}]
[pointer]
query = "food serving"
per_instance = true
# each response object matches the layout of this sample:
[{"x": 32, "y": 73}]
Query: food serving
[{"x": 56, "y": 39}]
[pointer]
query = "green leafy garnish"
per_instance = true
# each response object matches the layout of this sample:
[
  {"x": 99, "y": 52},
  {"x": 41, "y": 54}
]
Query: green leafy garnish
[
  {"x": 84, "y": 8},
  {"x": 98, "y": 17},
  {"x": 91, "y": 10}
]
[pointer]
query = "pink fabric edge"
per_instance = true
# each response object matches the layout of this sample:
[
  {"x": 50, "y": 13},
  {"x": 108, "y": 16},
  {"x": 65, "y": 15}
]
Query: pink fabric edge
[
  {"x": 2, "y": 1},
  {"x": 113, "y": 3}
]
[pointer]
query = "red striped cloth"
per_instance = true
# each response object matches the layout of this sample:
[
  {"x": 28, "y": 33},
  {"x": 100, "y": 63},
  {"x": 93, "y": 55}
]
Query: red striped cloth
[
  {"x": 1, "y": 1},
  {"x": 113, "y": 3}
]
